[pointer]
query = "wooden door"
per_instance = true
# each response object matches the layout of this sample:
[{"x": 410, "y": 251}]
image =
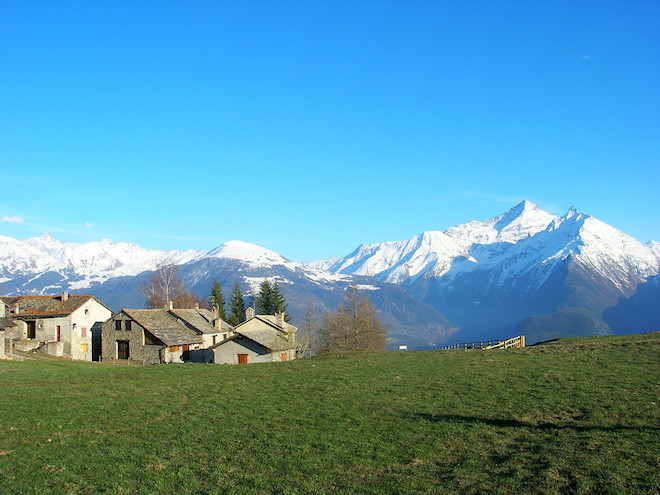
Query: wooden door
[
  {"x": 31, "y": 329},
  {"x": 242, "y": 359},
  {"x": 284, "y": 356},
  {"x": 122, "y": 349}
]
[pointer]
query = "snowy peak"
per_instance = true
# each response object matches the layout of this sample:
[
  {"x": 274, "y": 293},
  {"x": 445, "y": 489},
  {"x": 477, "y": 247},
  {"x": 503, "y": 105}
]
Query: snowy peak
[
  {"x": 525, "y": 239},
  {"x": 520, "y": 222},
  {"x": 81, "y": 264},
  {"x": 247, "y": 253}
]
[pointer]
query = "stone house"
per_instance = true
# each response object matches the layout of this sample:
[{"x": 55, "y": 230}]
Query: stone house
[
  {"x": 259, "y": 339},
  {"x": 204, "y": 323},
  {"x": 57, "y": 325},
  {"x": 160, "y": 335}
]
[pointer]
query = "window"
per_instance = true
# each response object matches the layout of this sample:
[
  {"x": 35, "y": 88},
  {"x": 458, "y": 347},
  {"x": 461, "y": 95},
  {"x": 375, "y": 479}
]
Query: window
[
  {"x": 83, "y": 347},
  {"x": 127, "y": 325},
  {"x": 118, "y": 325},
  {"x": 83, "y": 332},
  {"x": 86, "y": 311},
  {"x": 149, "y": 339},
  {"x": 58, "y": 333},
  {"x": 173, "y": 348},
  {"x": 185, "y": 348},
  {"x": 214, "y": 340}
]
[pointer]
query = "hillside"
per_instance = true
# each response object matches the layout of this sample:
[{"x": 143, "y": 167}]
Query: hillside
[{"x": 574, "y": 415}]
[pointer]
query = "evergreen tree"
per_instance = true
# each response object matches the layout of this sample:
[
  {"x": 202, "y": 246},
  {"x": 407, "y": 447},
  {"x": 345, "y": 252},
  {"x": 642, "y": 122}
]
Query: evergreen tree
[
  {"x": 236, "y": 306},
  {"x": 278, "y": 302},
  {"x": 217, "y": 300},
  {"x": 264, "y": 300}
]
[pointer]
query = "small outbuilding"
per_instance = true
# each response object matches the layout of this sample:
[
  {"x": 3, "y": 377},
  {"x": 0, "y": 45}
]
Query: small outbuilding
[{"x": 259, "y": 339}]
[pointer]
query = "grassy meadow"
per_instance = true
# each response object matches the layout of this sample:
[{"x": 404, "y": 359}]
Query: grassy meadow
[{"x": 572, "y": 416}]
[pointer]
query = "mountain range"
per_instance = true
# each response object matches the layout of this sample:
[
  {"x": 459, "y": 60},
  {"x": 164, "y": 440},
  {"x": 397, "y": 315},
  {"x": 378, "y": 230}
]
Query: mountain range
[{"x": 524, "y": 271}]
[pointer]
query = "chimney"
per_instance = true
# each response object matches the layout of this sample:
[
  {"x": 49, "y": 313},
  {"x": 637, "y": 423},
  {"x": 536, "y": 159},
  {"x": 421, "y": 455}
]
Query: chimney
[
  {"x": 3, "y": 310},
  {"x": 65, "y": 296},
  {"x": 197, "y": 306},
  {"x": 170, "y": 305},
  {"x": 280, "y": 319},
  {"x": 249, "y": 313},
  {"x": 16, "y": 309},
  {"x": 216, "y": 318}
]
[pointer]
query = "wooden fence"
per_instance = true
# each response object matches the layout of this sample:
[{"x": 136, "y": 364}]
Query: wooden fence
[{"x": 515, "y": 342}]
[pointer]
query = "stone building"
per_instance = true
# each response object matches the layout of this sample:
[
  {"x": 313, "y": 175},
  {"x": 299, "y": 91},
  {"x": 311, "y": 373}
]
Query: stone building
[
  {"x": 57, "y": 325},
  {"x": 160, "y": 335},
  {"x": 259, "y": 339}
]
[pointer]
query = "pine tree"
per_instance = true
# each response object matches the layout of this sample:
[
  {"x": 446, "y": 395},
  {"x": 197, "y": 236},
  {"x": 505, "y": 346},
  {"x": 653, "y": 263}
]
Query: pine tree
[
  {"x": 217, "y": 300},
  {"x": 264, "y": 300},
  {"x": 236, "y": 307},
  {"x": 278, "y": 302}
]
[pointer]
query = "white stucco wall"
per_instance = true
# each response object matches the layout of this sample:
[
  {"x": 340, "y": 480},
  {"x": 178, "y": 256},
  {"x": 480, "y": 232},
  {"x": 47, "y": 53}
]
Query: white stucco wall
[
  {"x": 85, "y": 317},
  {"x": 71, "y": 330},
  {"x": 208, "y": 339},
  {"x": 228, "y": 352}
]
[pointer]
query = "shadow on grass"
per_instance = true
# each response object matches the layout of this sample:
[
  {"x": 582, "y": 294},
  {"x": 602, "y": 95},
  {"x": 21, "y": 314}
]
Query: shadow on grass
[{"x": 513, "y": 423}]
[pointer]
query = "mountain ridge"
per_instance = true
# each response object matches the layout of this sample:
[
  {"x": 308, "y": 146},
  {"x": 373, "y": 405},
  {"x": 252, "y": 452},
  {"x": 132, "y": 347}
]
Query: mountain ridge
[{"x": 479, "y": 277}]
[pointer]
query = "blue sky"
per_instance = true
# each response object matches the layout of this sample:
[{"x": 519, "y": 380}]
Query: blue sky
[{"x": 312, "y": 127}]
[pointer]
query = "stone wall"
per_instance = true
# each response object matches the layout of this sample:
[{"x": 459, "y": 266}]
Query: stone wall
[{"x": 137, "y": 350}]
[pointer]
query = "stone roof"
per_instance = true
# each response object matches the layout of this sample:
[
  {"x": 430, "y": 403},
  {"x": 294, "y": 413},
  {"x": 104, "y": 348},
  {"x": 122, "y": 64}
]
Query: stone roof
[
  {"x": 269, "y": 339},
  {"x": 163, "y": 326},
  {"x": 201, "y": 319},
  {"x": 44, "y": 306},
  {"x": 270, "y": 320},
  {"x": 267, "y": 331},
  {"x": 6, "y": 323}
]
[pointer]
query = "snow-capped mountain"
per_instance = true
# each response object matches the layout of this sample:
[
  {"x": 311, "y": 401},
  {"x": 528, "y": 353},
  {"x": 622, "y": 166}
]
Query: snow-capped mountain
[
  {"x": 114, "y": 272},
  {"x": 524, "y": 270},
  {"x": 489, "y": 276},
  {"x": 433, "y": 253},
  {"x": 523, "y": 240},
  {"x": 80, "y": 265}
]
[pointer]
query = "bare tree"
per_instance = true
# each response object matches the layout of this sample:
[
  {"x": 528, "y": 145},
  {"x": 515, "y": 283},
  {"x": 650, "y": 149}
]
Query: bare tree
[
  {"x": 188, "y": 300},
  {"x": 308, "y": 332},
  {"x": 354, "y": 326},
  {"x": 162, "y": 287}
]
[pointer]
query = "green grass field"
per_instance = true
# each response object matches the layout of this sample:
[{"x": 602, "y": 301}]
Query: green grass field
[{"x": 573, "y": 416}]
